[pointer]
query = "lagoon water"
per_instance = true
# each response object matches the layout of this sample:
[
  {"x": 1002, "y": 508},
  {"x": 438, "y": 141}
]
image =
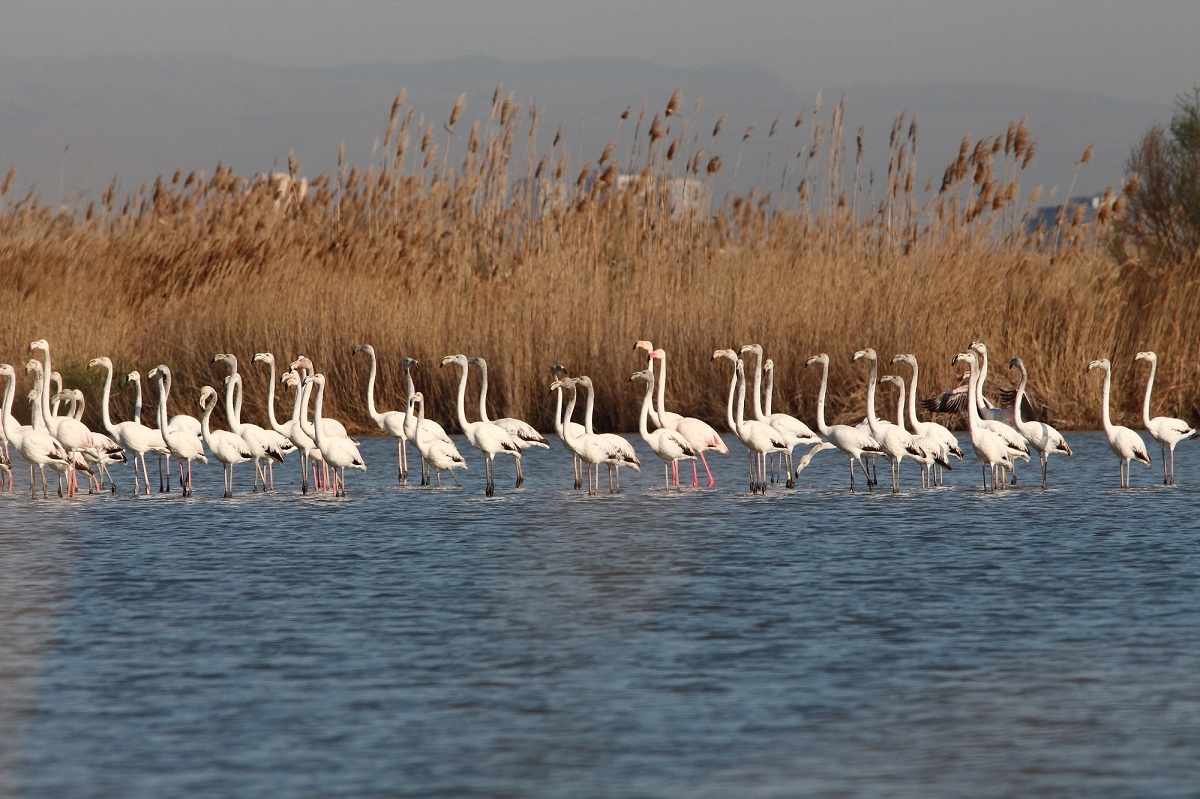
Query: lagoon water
[{"x": 431, "y": 643}]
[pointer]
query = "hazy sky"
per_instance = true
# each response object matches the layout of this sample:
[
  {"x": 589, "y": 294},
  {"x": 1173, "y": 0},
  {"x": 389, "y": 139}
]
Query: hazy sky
[{"x": 1148, "y": 50}]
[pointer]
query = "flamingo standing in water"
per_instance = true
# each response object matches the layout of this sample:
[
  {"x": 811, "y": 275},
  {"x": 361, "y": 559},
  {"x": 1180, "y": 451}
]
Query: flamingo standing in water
[
  {"x": 1125, "y": 444},
  {"x": 36, "y": 447},
  {"x": 490, "y": 439},
  {"x": 854, "y": 442},
  {"x": 1041, "y": 436},
  {"x": 668, "y": 445},
  {"x": 521, "y": 432},
  {"x": 793, "y": 430},
  {"x": 1165, "y": 430}
]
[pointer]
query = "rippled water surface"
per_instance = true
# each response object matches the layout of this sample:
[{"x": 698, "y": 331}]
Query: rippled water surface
[{"x": 425, "y": 643}]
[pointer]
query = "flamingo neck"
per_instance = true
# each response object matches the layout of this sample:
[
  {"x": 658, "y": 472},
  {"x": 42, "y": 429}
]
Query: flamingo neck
[
  {"x": 376, "y": 415},
  {"x": 420, "y": 422},
  {"x": 983, "y": 370},
  {"x": 318, "y": 435},
  {"x": 822, "y": 428},
  {"x": 740, "y": 379},
  {"x": 305, "y": 396},
  {"x": 108, "y": 425},
  {"x": 462, "y": 398},
  {"x": 483, "y": 387},
  {"x": 8, "y": 424},
  {"x": 758, "y": 407},
  {"x": 1104, "y": 399},
  {"x": 235, "y": 422},
  {"x": 662, "y": 389},
  {"x": 1149, "y": 388},
  {"x": 137, "y": 401},
  {"x": 900, "y": 406},
  {"x": 643, "y": 426},
  {"x": 587, "y": 414},
  {"x": 1020, "y": 397},
  {"x": 770, "y": 390},
  {"x": 558, "y": 420},
  {"x": 872, "y": 378},
  {"x": 567, "y": 418},
  {"x": 912, "y": 399},
  {"x": 47, "y": 416},
  {"x": 206, "y": 424},
  {"x": 162, "y": 406},
  {"x": 271, "y": 400},
  {"x": 973, "y": 397},
  {"x": 729, "y": 406}
]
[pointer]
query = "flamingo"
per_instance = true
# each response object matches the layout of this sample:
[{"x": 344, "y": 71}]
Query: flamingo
[
  {"x": 133, "y": 436},
  {"x": 935, "y": 452},
  {"x": 1165, "y": 430},
  {"x": 431, "y": 430},
  {"x": 896, "y": 442},
  {"x": 294, "y": 429},
  {"x": 522, "y": 432},
  {"x": 340, "y": 453},
  {"x": 668, "y": 445},
  {"x": 932, "y": 430},
  {"x": 591, "y": 448},
  {"x": 228, "y": 448},
  {"x": 72, "y": 434},
  {"x": 1041, "y": 436},
  {"x": 264, "y": 444},
  {"x": 992, "y": 451},
  {"x": 626, "y": 455},
  {"x": 159, "y": 447},
  {"x": 1126, "y": 444},
  {"x": 793, "y": 430},
  {"x": 699, "y": 433},
  {"x": 182, "y": 444},
  {"x": 36, "y": 447},
  {"x": 850, "y": 440},
  {"x": 757, "y": 437},
  {"x": 110, "y": 451},
  {"x": 333, "y": 428},
  {"x": 490, "y": 439},
  {"x": 440, "y": 456},
  {"x": 807, "y": 457},
  {"x": 391, "y": 422},
  {"x": 558, "y": 372}
]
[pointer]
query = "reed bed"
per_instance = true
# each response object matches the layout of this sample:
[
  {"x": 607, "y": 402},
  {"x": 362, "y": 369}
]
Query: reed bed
[{"x": 488, "y": 241}]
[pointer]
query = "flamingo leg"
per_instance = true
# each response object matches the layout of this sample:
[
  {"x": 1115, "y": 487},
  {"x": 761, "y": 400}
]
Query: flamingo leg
[
  {"x": 711, "y": 482},
  {"x": 695, "y": 475}
]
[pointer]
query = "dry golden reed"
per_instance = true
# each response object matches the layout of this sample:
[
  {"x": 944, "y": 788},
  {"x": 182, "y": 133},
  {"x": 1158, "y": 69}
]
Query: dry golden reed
[{"x": 486, "y": 251}]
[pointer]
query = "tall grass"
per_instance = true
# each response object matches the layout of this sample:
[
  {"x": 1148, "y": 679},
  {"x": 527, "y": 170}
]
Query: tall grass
[{"x": 495, "y": 240}]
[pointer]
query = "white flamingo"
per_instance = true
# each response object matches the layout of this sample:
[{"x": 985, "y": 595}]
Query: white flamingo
[
  {"x": 294, "y": 429},
  {"x": 937, "y": 432},
  {"x": 699, "y": 433},
  {"x": 591, "y": 448},
  {"x": 1041, "y": 436},
  {"x": 110, "y": 451},
  {"x": 522, "y": 432},
  {"x": 850, "y": 440},
  {"x": 757, "y": 437},
  {"x": 340, "y": 453},
  {"x": 72, "y": 434},
  {"x": 935, "y": 452},
  {"x": 896, "y": 442},
  {"x": 430, "y": 430},
  {"x": 1165, "y": 430},
  {"x": 159, "y": 445},
  {"x": 390, "y": 422},
  {"x": 558, "y": 372},
  {"x": 625, "y": 453},
  {"x": 332, "y": 427},
  {"x": 440, "y": 456},
  {"x": 490, "y": 439},
  {"x": 181, "y": 443},
  {"x": 794, "y": 431},
  {"x": 228, "y": 448},
  {"x": 668, "y": 445},
  {"x": 133, "y": 436},
  {"x": 1126, "y": 444},
  {"x": 265, "y": 445},
  {"x": 36, "y": 447},
  {"x": 992, "y": 451}
]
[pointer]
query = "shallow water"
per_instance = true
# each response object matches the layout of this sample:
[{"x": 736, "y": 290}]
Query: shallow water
[{"x": 417, "y": 642}]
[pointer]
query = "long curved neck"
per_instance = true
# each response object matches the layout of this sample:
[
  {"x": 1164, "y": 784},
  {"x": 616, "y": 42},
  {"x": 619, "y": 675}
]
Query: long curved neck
[
  {"x": 912, "y": 399},
  {"x": 570, "y": 412},
  {"x": 741, "y": 398},
  {"x": 376, "y": 415},
  {"x": 462, "y": 398},
  {"x": 206, "y": 423},
  {"x": 6, "y": 421},
  {"x": 271, "y": 400},
  {"x": 587, "y": 414},
  {"x": 1020, "y": 397},
  {"x": 162, "y": 404},
  {"x": 47, "y": 417},
  {"x": 483, "y": 386},
  {"x": 35, "y": 411},
  {"x": 983, "y": 369},
  {"x": 1149, "y": 388},
  {"x": 137, "y": 401},
  {"x": 662, "y": 387},
  {"x": 297, "y": 403},
  {"x": 729, "y": 405},
  {"x": 973, "y": 396},
  {"x": 900, "y": 406},
  {"x": 872, "y": 378},
  {"x": 643, "y": 426},
  {"x": 108, "y": 425},
  {"x": 235, "y": 422},
  {"x": 420, "y": 422},
  {"x": 558, "y": 407},
  {"x": 1104, "y": 399},
  {"x": 319, "y": 436},
  {"x": 767, "y": 394},
  {"x": 305, "y": 396},
  {"x": 758, "y": 408},
  {"x": 822, "y": 428},
  {"x": 77, "y": 409}
]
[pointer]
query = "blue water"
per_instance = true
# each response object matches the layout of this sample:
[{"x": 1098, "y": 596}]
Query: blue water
[{"x": 432, "y": 643}]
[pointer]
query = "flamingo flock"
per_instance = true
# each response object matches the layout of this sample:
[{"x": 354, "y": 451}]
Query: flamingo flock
[{"x": 56, "y": 436}]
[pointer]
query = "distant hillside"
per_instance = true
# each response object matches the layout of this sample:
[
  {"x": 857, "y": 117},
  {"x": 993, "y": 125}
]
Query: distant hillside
[{"x": 77, "y": 124}]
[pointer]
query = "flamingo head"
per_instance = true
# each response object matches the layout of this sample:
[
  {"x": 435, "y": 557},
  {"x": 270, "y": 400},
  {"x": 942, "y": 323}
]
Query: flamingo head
[
  {"x": 730, "y": 354},
  {"x": 821, "y": 359},
  {"x": 868, "y": 353},
  {"x": 264, "y": 357},
  {"x": 1016, "y": 363},
  {"x": 907, "y": 358},
  {"x": 316, "y": 379},
  {"x": 584, "y": 381},
  {"x": 161, "y": 372},
  {"x": 367, "y": 348},
  {"x": 768, "y": 365},
  {"x": 659, "y": 353},
  {"x": 1102, "y": 363},
  {"x": 562, "y": 383},
  {"x": 208, "y": 397},
  {"x": 418, "y": 397},
  {"x": 103, "y": 360},
  {"x": 410, "y": 363},
  {"x": 968, "y": 357},
  {"x": 290, "y": 378},
  {"x": 40, "y": 344},
  {"x": 302, "y": 362},
  {"x": 478, "y": 362},
  {"x": 978, "y": 346},
  {"x": 557, "y": 370},
  {"x": 63, "y": 396},
  {"x": 133, "y": 377},
  {"x": 642, "y": 375},
  {"x": 754, "y": 348},
  {"x": 899, "y": 381},
  {"x": 644, "y": 345},
  {"x": 459, "y": 359},
  {"x": 33, "y": 366},
  {"x": 1146, "y": 356},
  {"x": 6, "y": 369}
]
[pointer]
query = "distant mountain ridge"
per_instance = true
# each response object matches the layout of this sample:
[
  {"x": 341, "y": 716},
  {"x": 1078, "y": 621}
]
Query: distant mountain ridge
[{"x": 75, "y": 125}]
